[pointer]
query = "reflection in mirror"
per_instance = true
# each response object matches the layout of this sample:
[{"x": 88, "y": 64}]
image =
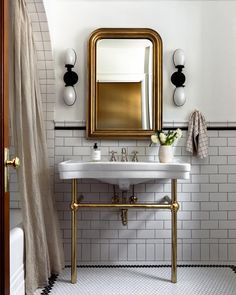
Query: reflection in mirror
[{"x": 124, "y": 84}]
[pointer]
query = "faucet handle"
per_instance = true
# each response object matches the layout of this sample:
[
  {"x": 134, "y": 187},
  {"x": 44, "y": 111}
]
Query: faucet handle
[
  {"x": 135, "y": 157},
  {"x": 113, "y": 157}
]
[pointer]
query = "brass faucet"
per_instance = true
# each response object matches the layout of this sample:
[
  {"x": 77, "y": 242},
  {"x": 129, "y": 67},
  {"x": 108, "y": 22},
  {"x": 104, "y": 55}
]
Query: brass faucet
[{"x": 124, "y": 157}]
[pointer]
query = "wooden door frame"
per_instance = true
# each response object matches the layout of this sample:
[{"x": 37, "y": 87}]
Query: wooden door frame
[{"x": 4, "y": 197}]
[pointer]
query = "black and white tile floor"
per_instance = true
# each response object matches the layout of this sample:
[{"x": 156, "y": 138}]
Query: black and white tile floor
[{"x": 192, "y": 280}]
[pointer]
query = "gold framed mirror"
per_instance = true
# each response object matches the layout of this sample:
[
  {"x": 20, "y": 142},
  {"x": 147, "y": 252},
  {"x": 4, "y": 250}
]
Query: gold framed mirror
[{"x": 124, "y": 83}]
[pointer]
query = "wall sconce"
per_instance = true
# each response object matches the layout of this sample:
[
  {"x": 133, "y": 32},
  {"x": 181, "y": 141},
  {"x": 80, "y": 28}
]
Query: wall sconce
[
  {"x": 70, "y": 78},
  {"x": 178, "y": 78}
]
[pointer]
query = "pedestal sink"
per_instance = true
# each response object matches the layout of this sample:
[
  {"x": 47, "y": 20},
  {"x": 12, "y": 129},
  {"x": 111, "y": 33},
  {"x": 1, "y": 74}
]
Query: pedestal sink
[{"x": 123, "y": 174}]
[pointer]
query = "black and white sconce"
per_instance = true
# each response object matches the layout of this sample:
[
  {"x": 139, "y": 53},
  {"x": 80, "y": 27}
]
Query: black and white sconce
[
  {"x": 178, "y": 78},
  {"x": 70, "y": 78}
]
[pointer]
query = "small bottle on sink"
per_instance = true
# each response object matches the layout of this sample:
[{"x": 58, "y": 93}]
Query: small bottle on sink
[{"x": 96, "y": 153}]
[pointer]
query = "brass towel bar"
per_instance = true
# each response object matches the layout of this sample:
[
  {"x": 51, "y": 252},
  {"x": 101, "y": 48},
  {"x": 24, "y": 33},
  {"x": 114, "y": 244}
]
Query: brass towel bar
[{"x": 172, "y": 206}]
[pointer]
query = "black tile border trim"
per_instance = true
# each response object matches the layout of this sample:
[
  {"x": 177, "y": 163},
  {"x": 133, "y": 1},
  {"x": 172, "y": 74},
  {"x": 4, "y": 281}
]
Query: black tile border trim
[
  {"x": 53, "y": 278},
  {"x": 220, "y": 128},
  {"x": 70, "y": 128},
  {"x": 51, "y": 282}
]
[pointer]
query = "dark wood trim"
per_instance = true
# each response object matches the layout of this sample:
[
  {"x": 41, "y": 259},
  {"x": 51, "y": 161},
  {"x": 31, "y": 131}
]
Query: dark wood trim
[
  {"x": 221, "y": 128},
  {"x": 4, "y": 197}
]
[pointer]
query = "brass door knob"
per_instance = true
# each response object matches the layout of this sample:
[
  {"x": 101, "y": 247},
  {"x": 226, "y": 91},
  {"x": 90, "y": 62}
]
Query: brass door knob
[{"x": 15, "y": 162}]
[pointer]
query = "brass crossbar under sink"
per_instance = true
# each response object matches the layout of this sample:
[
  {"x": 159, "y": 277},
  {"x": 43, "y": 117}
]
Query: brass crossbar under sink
[{"x": 173, "y": 206}]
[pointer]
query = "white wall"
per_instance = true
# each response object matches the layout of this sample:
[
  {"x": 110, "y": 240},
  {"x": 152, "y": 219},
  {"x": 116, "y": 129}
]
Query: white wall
[{"x": 205, "y": 30}]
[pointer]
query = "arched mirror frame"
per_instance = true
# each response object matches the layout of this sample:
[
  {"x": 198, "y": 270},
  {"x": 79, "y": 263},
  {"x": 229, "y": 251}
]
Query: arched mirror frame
[{"x": 124, "y": 33}]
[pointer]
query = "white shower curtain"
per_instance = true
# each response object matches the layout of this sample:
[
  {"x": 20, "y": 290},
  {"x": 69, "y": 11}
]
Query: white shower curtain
[{"x": 44, "y": 253}]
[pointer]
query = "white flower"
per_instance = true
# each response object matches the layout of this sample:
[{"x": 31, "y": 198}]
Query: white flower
[
  {"x": 154, "y": 138},
  {"x": 162, "y": 138},
  {"x": 178, "y": 133}
]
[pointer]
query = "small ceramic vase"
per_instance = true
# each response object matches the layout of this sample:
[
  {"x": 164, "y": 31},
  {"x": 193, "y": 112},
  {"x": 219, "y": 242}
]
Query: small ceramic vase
[{"x": 165, "y": 154}]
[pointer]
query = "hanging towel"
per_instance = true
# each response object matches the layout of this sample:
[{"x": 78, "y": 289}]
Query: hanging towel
[{"x": 197, "y": 139}]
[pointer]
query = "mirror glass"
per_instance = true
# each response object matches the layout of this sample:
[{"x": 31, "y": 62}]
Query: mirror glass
[{"x": 125, "y": 83}]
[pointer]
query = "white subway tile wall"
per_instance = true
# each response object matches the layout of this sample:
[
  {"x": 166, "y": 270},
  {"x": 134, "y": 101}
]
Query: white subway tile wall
[
  {"x": 207, "y": 215},
  {"x": 206, "y": 219}
]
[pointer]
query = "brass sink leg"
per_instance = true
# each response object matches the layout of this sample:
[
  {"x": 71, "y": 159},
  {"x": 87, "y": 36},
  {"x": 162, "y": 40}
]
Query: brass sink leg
[
  {"x": 174, "y": 210},
  {"x": 74, "y": 233}
]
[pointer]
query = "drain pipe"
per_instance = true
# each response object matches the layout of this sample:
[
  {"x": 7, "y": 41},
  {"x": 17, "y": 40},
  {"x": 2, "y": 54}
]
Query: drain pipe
[
  {"x": 124, "y": 216},
  {"x": 115, "y": 198},
  {"x": 124, "y": 212}
]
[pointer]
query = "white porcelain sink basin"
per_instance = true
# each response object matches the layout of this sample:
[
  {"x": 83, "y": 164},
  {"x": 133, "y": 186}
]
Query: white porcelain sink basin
[{"x": 123, "y": 174}]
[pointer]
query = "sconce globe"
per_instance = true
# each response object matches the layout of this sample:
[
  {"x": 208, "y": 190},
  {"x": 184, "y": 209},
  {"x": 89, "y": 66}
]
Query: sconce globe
[
  {"x": 179, "y": 96},
  {"x": 69, "y": 95},
  {"x": 179, "y": 58},
  {"x": 70, "y": 57}
]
